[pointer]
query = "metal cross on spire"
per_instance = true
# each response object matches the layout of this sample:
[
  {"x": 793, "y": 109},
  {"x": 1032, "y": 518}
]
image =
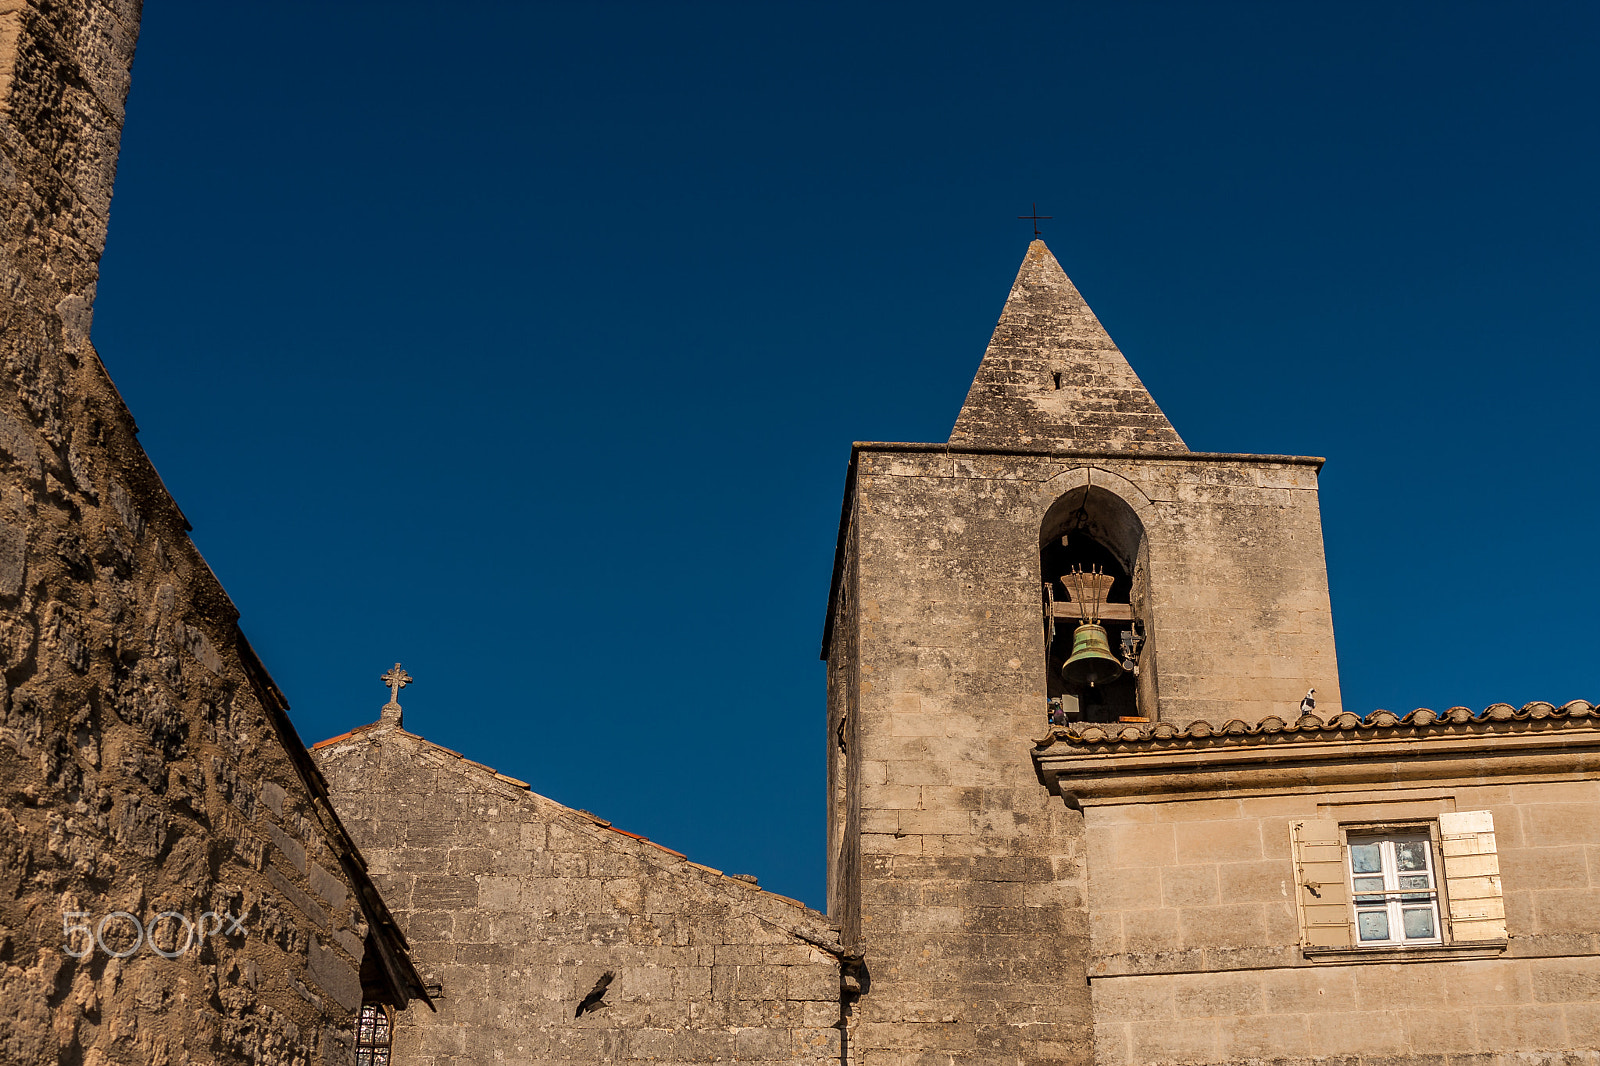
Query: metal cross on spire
[
  {"x": 1035, "y": 218},
  {"x": 396, "y": 679}
]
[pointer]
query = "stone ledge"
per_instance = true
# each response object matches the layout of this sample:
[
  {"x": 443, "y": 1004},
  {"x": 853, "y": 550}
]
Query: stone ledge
[
  {"x": 1140, "y": 454},
  {"x": 1086, "y": 766},
  {"x": 1472, "y": 949}
]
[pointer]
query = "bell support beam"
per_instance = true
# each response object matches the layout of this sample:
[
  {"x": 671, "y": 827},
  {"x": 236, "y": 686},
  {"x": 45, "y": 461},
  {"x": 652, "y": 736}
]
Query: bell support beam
[{"x": 1108, "y": 612}]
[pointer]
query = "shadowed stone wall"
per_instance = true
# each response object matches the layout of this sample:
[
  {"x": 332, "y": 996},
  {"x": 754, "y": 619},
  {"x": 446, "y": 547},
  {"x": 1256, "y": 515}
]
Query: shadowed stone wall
[
  {"x": 519, "y": 907},
  {"x": 145, "y": 760}
]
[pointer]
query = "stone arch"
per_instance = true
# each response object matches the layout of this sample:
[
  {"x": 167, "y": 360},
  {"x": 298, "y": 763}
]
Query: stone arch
[
  {"x": 1098, "y": 518},
  {"x": 1117, "y": 508},
  {"x": 1132, "y": 496}
]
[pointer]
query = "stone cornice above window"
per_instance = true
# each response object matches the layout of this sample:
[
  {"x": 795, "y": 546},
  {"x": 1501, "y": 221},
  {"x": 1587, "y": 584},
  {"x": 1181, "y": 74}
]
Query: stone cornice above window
[{"x": 1090, "y": 762}]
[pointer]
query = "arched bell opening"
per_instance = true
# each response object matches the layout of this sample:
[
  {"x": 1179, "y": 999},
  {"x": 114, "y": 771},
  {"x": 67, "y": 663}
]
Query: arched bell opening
[{"x": 1093, "y": 570}]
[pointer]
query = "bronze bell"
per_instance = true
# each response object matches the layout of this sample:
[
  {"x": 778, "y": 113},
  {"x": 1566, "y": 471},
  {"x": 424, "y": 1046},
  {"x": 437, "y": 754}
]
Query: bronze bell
[{"x": 1091, "y": 662}]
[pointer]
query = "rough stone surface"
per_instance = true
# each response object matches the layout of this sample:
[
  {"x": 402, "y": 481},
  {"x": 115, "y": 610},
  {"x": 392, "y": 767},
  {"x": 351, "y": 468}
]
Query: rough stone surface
[
  {"x": 137, "y": 733},
  {"x": 1053, "y": 376},
  {"x": 1195, "y": 941},
  {"x": 958, "y": 877},
  {"x": 1235, "y": 602},
  {"x": 1002, "y": 924},
  {"x": 953, "y": 871},
  {"x": 518, "y": 907}
]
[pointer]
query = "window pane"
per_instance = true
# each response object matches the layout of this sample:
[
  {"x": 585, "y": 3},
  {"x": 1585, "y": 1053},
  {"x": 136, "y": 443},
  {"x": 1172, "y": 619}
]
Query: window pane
[
  {"x": 1373, "y": 925},
  {"x": 1366, "y": 858},
  {"x": 1415, "y": 881},
  {"x": 1411, "y": 854},
  {"x": 1369, "y": 884},
  {"x": 1419, "y": 923}
]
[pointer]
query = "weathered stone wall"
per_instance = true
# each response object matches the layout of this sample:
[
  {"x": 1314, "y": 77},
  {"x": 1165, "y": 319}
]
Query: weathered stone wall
[
  {"x": 1053, "y": 376},
  {"x": 986, "y": 910},
  {"x": 971, "y": 892},
  {"x": 145, "y": 762},
  {"x": 970, "y": 885},
  {"x": 1239, "y": 617},
  {"x": 1195, "y": 954},
  {"x": 518, "y": 906}
]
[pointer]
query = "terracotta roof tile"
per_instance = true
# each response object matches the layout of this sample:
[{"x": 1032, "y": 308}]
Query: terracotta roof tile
[
  {"x": 1310, "y": 726},
  {"x": 342, "y": 736}
]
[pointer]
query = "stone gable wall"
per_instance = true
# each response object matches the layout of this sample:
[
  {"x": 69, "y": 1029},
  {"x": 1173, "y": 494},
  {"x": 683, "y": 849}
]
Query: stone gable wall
[
  {"x": 141, "y": 770},
  {"x": 518, "y": 906}
]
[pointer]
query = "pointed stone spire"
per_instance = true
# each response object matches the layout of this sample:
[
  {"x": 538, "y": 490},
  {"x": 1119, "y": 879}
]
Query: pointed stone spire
[{"x": 1052, "y": 376}]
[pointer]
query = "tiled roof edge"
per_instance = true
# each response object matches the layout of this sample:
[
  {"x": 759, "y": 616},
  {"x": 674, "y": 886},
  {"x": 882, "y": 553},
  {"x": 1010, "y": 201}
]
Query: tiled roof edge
[
  {"x": 1310, "y": 727},
  {"x": 331, "y": 741}
]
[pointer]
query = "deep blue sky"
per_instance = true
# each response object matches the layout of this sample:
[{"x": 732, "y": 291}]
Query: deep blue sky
[{"x": 525, "y": 343}]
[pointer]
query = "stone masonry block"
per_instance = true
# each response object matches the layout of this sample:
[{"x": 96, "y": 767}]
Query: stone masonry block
[
  {"x": 1222, "y": 842},
  {"x": 762, "y": 1044},
  {"x": 1243, "y": 882},
  {"x": 1217, "y": 995},
  {"x": 1187, "y": 886},
  {"x": 334, "y": 975},
  {"x": 1192, "y": 1041},
  {"x": 1239, "y": 925},
  {"x": 328, "y": 886}
]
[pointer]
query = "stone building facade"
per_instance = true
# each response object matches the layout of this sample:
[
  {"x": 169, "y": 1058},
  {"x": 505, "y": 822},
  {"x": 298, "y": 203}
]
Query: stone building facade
[
  {"x": 1201, "y": 858},
  {"x": 1220, "y": 857},
  {"x": 1205, "y": 859},
  {"x": 174, "y": 885},
  {"x": 553, "y": 936}
]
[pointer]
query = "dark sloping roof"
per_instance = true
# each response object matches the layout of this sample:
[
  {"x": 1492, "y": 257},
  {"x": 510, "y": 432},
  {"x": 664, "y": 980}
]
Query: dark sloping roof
[{"x": 395, "y": 965}]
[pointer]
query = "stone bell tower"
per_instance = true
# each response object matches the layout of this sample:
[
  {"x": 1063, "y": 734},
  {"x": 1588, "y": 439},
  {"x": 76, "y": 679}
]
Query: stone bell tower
[{"x": 953, "y": 870}]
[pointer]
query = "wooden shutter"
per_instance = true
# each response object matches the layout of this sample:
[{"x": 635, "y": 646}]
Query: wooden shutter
[
  {"x": 1472, "y": 876},
  {"x": 1323, "y": 884}
]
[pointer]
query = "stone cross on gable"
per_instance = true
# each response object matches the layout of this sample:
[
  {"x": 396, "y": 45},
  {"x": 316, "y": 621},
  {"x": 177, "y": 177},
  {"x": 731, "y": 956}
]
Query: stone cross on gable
[{"x": 396, "y": 679}]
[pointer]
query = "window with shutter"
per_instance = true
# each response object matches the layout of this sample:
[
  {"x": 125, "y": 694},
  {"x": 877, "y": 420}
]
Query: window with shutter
[
  {"x": 1472, "y": 876},
  {"x": 1395, "y": 890},
  {"x": 1323, "y": 889}
]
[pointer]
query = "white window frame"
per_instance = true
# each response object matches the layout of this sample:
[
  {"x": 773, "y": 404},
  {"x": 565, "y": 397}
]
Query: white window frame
[{"x": 1400, "y": 892}]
